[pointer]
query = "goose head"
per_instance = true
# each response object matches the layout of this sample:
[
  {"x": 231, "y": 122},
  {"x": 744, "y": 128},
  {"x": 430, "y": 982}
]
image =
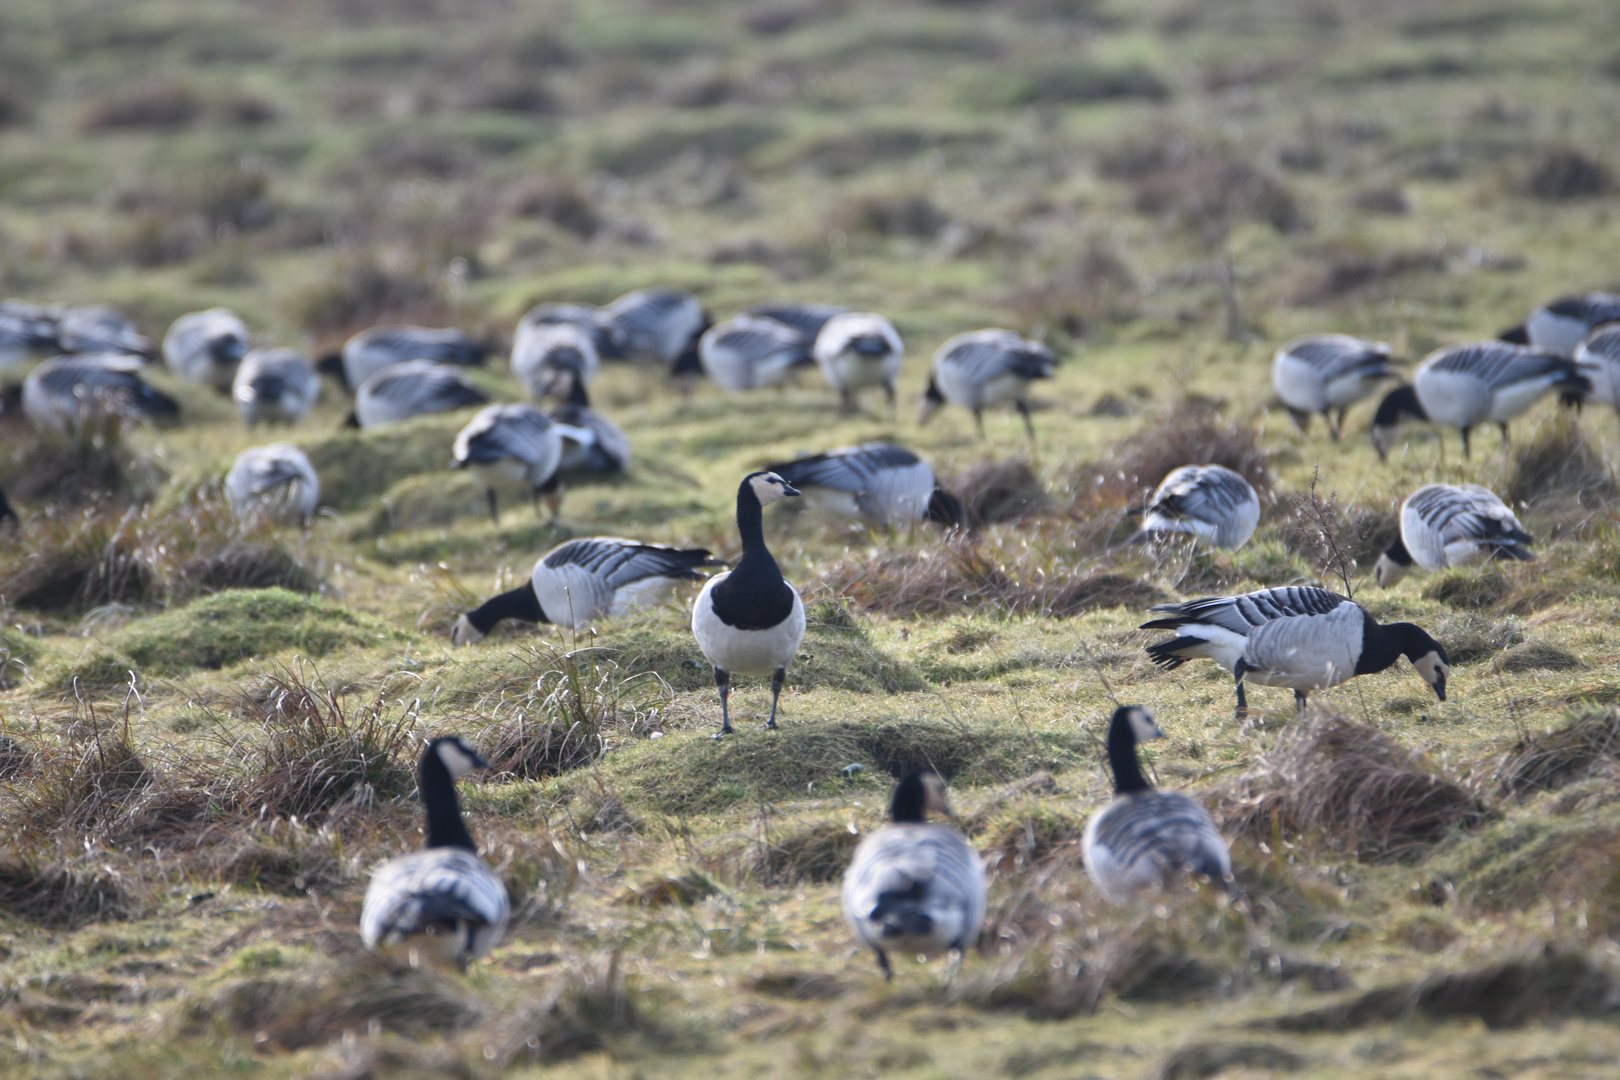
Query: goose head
[
  {"x": 929, "y": 403},
  {"x": 456, "y": 755},
  {"x": 1392, "y": 564},
  {"x": 921, "y": 793},
  {"x": 768, "y": 487}
]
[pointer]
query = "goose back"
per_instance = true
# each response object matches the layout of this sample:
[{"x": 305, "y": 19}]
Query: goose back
[
  {"x": 412, "y": 388},
  {"x": 750, "y": 353},
  {"x": 1208, "y": 501},
  {"x": 275, "y": 386}
]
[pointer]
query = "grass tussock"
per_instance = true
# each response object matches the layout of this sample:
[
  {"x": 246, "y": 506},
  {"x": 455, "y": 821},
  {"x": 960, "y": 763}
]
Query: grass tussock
[
  {"x": 1180, "y": 175},
  {"x": 1586, "y": 744},
  {"x": 1358, "y": 789},
  {"x": 1211, "y": 1059},
  {"x": 59, "y": 895},
  {"x": 63, "y": 470},
  {"x": 1471, "y": 637},
  {"x": 1098, "y": 286},
  {"x": 1560, "y": 173},
  {"x": 1558, "y": 463},
  {"x": 776, "y": 857},
  {"x": 996, "y": 491},
  {"x": 1338, "y": 272},
  {"x": 1189, "y": 434}
]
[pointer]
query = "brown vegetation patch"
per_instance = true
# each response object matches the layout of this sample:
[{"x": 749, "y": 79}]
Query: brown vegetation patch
[
  {"x": 1209, "y": 1059},
  {"x": 1338, "y": 271},
  {"x": 1189, "y": 434},
  {"x": 1587, "y": 744},
  {"x": 901, "y": 215},
  {"x": 159, "y": 105},
  {"x": 1558, "y": 462},
  {"x": 1564, "y": 172},
  {"x": 58, "y": 896},
  {"x": 1176, "y": 173},
  {"x": 817, "y": 854},
  {"x": 995, "y": 491},
  {"x": 363, "y": 292},
  {"x": 556, "y": 199},
  {"x": 1096, "y": 286}
]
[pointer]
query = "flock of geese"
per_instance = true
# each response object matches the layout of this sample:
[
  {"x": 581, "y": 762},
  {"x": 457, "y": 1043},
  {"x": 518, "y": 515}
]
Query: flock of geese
[{"x": 915, "y": 886}]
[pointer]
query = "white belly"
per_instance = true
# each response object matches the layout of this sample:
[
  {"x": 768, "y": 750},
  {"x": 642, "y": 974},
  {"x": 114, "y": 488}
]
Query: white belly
[{"x": 745, "y": 652}]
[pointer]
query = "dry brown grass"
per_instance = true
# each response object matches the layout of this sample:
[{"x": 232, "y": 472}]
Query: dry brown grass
[
  {"x": 156, "y": 105},
  {"x": 1337, "y": 272},
  {"x": 1189, "y": 434},
  {"x": 994, "y": 491},
  {"x": 1178, "y": 174},
  {"x": 56, "y": 894},
  {"x": 1558, "y": 463},
  {"x": 1587, "y": 744},
  {"x": 1558, "y": 173}
]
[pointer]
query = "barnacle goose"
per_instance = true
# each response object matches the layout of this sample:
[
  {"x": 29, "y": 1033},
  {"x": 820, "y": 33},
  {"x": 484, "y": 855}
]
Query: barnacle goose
[
  {"x": 273, "y": 483},
  {"x": 540, "y": 355},
  {"x": 96, "y": 328},
  {"x": 857, "y": 349},
  {"x": 1321, "y": 373},
  {"x": 206, "y": 347},
  {"x": 441, "y": 905},
  {"x": 401, "y": 391},
  {"x": 25, "y": 328},
  {"x": 1208, "y": 501},
  {"x": 915, "y": 887},
  {"x": 517, "y": 442},
  {"x": 748, "y": 620},
  {"x": 807, "y": 319},
  {"x": 1451, "y": 525},
  {"x": 1598, "y": 358},
  {"x": 609, "y": 340},
  {"x": 70, "y": 391},
  {"x": 878, "y": 483},
  {"x": 1464, "y": 385},
  {"x": 592, "y": 444},
  {"x": 275, "y": 385},
  {"x": 1145, "y": 838},
  {"x": 370, "y": 351},
  {"x": 1297, "y": 636},
  {"x": 983, "y": 368},
  {"x": 598, "y": 577},
  {"x": 663, "y": 325},
  {"x": 1559, "y": 326},
  {"x": 749, "y": 352}
]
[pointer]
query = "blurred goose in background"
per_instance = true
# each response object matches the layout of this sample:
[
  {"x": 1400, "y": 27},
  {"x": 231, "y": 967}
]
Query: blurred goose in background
[
  {"x": 608, "y": 340},
  {"x": 275, "y": 386},
  {"x": 206, "y": 347},
  {"x": 516, "y": 442},
  {"x": 541, "y": 354},
  {"x": 1452, "y": 525},
  {"x": 1559, "y": 326},
  {"x": 857, "y": 349},
  {"x": 401, "y": 391},
  {"x": 748, "y": 620},
  {"x": 1598, "y": 358},
  {"x": 878, "y": 483},
  {"x": 69, "y": 392},
  {"x": 273, "y": 483},
  {"x": 1207, "y": 501},
  {"x": 592, "y": 444},
  {"x": 807, "y": 319},
  {"x": 96, "y": 328},
  {"x": 25, "y": 328},
  {"x": 1488, "y": 381},
  {"x": 983, "y": 368},
  {"x": 1145, "y": 839},
  {"x": 749, "y": 352},
  {"x": 442, "y": 905},
  {"x": 7, "y": 514},
  {"x": 1321, "y": 373},
  {"x": 370, "y": 351},
  {"x": 663, "y": 325},
  {"x": 1296, "y": 636},
  {"x": 586, "y": 580},
  {"x": 915, "y": 887}
]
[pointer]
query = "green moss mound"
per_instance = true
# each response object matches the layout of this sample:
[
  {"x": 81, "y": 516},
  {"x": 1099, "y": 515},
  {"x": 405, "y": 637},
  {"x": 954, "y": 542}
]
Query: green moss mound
[{"x": 356, "y": 467}]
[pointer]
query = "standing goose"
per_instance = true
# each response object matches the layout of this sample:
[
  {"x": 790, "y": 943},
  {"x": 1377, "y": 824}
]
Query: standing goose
[
  {"x": 983, "y": 368},
  {"x": 69, "y": 392},
  {"x": 206, "y": 347},
  {"x": 915, "y": 887},
  {"x": 370, "y": 351},
  {"x": 1464, "y": 385},
  {"x": 578, "y": 583},
  {"x": 662, "y": 325},
  {"x": 748, "y": 620},
  {"x": 414, "y": 388},
  {"x": 1321, "y": 373},
  {"x": 273, "y": 483},
  {"x": 858, "y": 349},
  {"x": 1297, "y": 636},
  {"x": 807, "y": 319},
  {"x": 542, "y": 354},
  {"x": 1598, "y": 358},
  {"x": 514, "y": 442},
  {"x": 25, "y": 328},
  {"x": 1560, "y": 325},
  {"x": 750, "y": 352},
  {"x": 275, "y": 386},
  {"x": 1208, "y": 501},
  {"x": 96, "y": 328},
  {"x": 878, "y": 483},
  {"x": 593, "y": 445},
  {"x": 1451, "y": 525},
  {"x": 441, "y": 905},
  {"x": 1145, "y": 838}
]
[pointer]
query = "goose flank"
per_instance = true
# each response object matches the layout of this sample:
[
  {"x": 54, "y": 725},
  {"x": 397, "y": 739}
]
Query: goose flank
[
  {"x": 1207, "y": 501},
  {"x": 1451, "y": 525}
]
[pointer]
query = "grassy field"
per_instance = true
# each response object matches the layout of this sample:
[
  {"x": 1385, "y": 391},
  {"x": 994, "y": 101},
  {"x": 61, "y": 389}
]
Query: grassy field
[{"x": 208, "y": 734}]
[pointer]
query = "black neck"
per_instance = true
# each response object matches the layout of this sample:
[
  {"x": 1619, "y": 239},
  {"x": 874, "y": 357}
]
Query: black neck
[
  {"x": 1398, "y": 554},
  {"x": 1381, "y": 646},
  {"x": 576, "y": 392},
  {"x": 1399, "y": 401},
  {"x": 1128, "y": 775},
  {"x": 518, "y": 603},
  {"x": 751, "y": 526},
  {"x": 753, "y": 596},
  {"x": 932, "y": 393},
  {"x": 910, "y": 799},
  {"x": 946, "y": 508},
  {"x": 444, "y": 825}
]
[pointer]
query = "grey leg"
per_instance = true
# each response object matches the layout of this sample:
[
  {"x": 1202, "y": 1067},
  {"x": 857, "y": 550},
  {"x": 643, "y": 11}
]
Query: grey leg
[
  {"x": 1242, "y": 699},
  {"x": 777, "y": 679},
  {"x": 883, "y": 964},
  {"x": 494, "y": 513},
  {"x": 722, "y": 679},
  {"x": 894, "y": 403},
  {"x": 1506, "y": 443},
  {"x": 1029, "y": 425},
  {"x": 848, "y": 398},
  {"x": 1467, "y": 453},
  {"x": 1299, "y": 702},
  {"x": 978, "y": 422}
]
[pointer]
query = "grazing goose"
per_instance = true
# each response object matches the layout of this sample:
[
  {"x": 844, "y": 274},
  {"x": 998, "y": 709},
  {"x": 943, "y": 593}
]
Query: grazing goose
[
  {"x": 663, "y": 325},
  {"x": 1598, "y": 358},
  {"x": 749, "y": 352},
  {"x": 1144, "y": 839},
  {"x": 878, "y": 483},
  {"x": 807, "y": 319},
  {"x": 1321, "y": 373},
  {"x": 541, "y": 354},
  {"x": 1300, "y": 637},
  {"x": 96, "y": 328},
  {"x": 1208, "y": 501},
  {"x": 578, "y": 583},
  {"x": 206, "y": 347},
  {"x": 915, "y": 887},
  {"x": 275, "y": 386},
  {"x": 401, "y": 391},
  {"x": 69, "y": 392},
  {"x": 441, "y": 905},
  {"x": 1560, "y": 325},
  {"x": 592, "y": 444},
  {"x": 1464, "y": 385},
  {"x": 273, "y": 483},
  {"x": 514, "y": 442},
  {"x": 609, "y": 340},
  {"x": 370, "y": 351},
  {"x": 983, "y": 368},
  {"x": 748, "y": 620},
  {"x": 25, "y": 328},
  {"x": 857, "y": 349},
  {"x": 1451, "y": 525}
]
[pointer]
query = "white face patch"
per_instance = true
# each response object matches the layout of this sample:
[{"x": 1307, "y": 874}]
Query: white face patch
[
  {"x": 1143, "y": 726},
  {"x": 1388, "y": 572},
  {"x": 768, "y": 487},
  {"x": 458, "y": 758},
  {"x": 926, "y": 407},
  {"x": 1434, "y": 671},
  {"x": 936, "y": 802}
]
